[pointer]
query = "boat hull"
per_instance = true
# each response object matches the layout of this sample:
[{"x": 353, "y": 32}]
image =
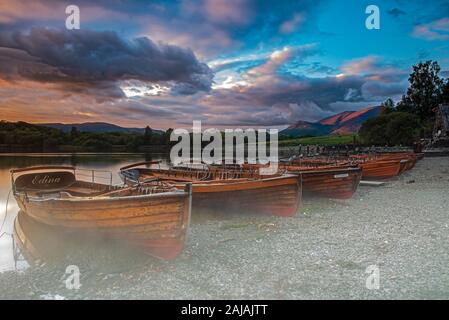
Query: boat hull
[
  {"x": 411, "y": 159},
  {"x": 336, "y": 184},
  {"x": 275, "y": 196},
  {"x": 228, "y": 191},
  {"x": 410, "y": 164},
  {"x": 156, "y": 223},
  {"x": 382, "y": 169}
]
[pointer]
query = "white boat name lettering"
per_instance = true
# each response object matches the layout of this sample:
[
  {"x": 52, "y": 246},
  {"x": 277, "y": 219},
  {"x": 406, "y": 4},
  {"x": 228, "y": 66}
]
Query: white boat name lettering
[{"x": 45, "y": 180}]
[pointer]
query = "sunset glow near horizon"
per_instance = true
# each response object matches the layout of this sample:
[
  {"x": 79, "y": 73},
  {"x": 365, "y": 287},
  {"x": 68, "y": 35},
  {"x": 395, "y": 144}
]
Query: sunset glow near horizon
[{"x": 241, "y": 63}]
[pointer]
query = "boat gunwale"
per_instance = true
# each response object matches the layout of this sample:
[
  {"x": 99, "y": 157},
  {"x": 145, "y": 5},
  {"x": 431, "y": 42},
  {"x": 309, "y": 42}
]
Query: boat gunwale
[
  {"x": 278, "y": 176},
  {"x": 327, "y": 170},
  {"x": 244, "y": 180},
  {"x": 177, "y": 192},
  {"x": 38, "y": 168}
]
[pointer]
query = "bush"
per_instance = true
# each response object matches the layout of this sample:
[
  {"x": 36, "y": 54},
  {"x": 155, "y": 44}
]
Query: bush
[
  {"x": 99, "y": 145},
  {"x": 397, "y": 128}
]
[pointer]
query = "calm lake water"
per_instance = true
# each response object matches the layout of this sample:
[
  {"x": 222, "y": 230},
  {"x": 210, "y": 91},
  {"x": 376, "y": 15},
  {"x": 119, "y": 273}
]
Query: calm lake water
[{"x": 47, "y": 240}]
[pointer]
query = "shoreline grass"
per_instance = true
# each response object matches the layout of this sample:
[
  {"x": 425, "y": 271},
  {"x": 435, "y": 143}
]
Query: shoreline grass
[{"x": 320, "y": 140}]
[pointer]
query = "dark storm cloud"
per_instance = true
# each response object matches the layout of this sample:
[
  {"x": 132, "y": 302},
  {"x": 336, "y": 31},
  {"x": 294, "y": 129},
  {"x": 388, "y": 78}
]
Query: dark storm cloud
[
  {"x": 135, "y": 109},
  {"x": 321, "y": 91},
  {"x": 274, "y": 98},
  {"x": 257, "y": 82},
  {"x": 98, "y": 59},
  {"x": 282, "y": 103}
]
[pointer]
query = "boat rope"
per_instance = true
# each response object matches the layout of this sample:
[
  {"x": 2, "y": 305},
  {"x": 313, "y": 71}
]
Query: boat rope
[{"x": 6, "y": 215}]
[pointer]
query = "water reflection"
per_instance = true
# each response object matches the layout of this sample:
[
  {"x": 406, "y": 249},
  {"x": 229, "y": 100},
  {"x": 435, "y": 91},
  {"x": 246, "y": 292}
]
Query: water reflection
[
  {"x": 36, "y": 242},
  {"x": 26, "y": 240}
]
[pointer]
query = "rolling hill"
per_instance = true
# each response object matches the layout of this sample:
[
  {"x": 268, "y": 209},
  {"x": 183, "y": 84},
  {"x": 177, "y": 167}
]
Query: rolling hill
[
  {"x": 346, "y": 122},
  {"x": 97, "y": 127}
]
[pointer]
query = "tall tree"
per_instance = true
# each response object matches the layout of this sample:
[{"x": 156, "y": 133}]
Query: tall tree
[
  {"x": 148, "y": 135},
  {"x": 74, "y": 133},
  {"x": 424, "y": 92},
  {"x": 445, "y": 93},
  {"x": 391, "y": 129},
  {"x": 388, "y": 106},
  {"x": 167, "y": 136}
]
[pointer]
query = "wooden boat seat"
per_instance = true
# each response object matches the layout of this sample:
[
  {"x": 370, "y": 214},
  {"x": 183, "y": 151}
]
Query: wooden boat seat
[
  {"x": 77, "y": 188},
  {"x": 70, "y": 192},
  {"x": 79, "y": 192}
]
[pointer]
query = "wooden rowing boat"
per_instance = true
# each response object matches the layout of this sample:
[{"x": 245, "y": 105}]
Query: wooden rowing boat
[
  {"x": 399, "y": 162},
  {"x": 327, "y": 181},
  {"x": 373, "y": 166},
  {"x": 226, "y": 190},
  {"x": 382, "y": 169},
  {"x": 154, "y": 217},
  {"x": 411, "y": 158},
  {"x": 320, "y": 180}
]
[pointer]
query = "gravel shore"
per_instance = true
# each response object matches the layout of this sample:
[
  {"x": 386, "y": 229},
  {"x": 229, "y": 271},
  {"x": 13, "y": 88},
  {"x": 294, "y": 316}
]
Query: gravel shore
[{"x": 322, "y": 253}]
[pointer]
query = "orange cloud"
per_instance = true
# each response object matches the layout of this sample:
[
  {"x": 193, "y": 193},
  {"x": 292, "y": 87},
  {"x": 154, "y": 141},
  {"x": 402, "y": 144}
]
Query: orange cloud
[{"x": 359, "y": 66}]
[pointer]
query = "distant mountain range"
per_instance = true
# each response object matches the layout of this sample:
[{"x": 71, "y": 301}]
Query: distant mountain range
[
  {"x": 97, "y": 127},
  {"x": 346, "y": 122}
]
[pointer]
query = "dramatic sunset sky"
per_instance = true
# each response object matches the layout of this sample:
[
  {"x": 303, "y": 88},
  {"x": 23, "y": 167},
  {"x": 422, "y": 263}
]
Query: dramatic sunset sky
[{"x": 226, "y": 62}]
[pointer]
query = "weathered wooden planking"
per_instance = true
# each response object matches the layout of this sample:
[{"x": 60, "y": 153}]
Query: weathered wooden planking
[
  {"x": 338, "y": 183},
  {"x": 271, "y": 200},
  {"x": 381, "y": 169}
]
